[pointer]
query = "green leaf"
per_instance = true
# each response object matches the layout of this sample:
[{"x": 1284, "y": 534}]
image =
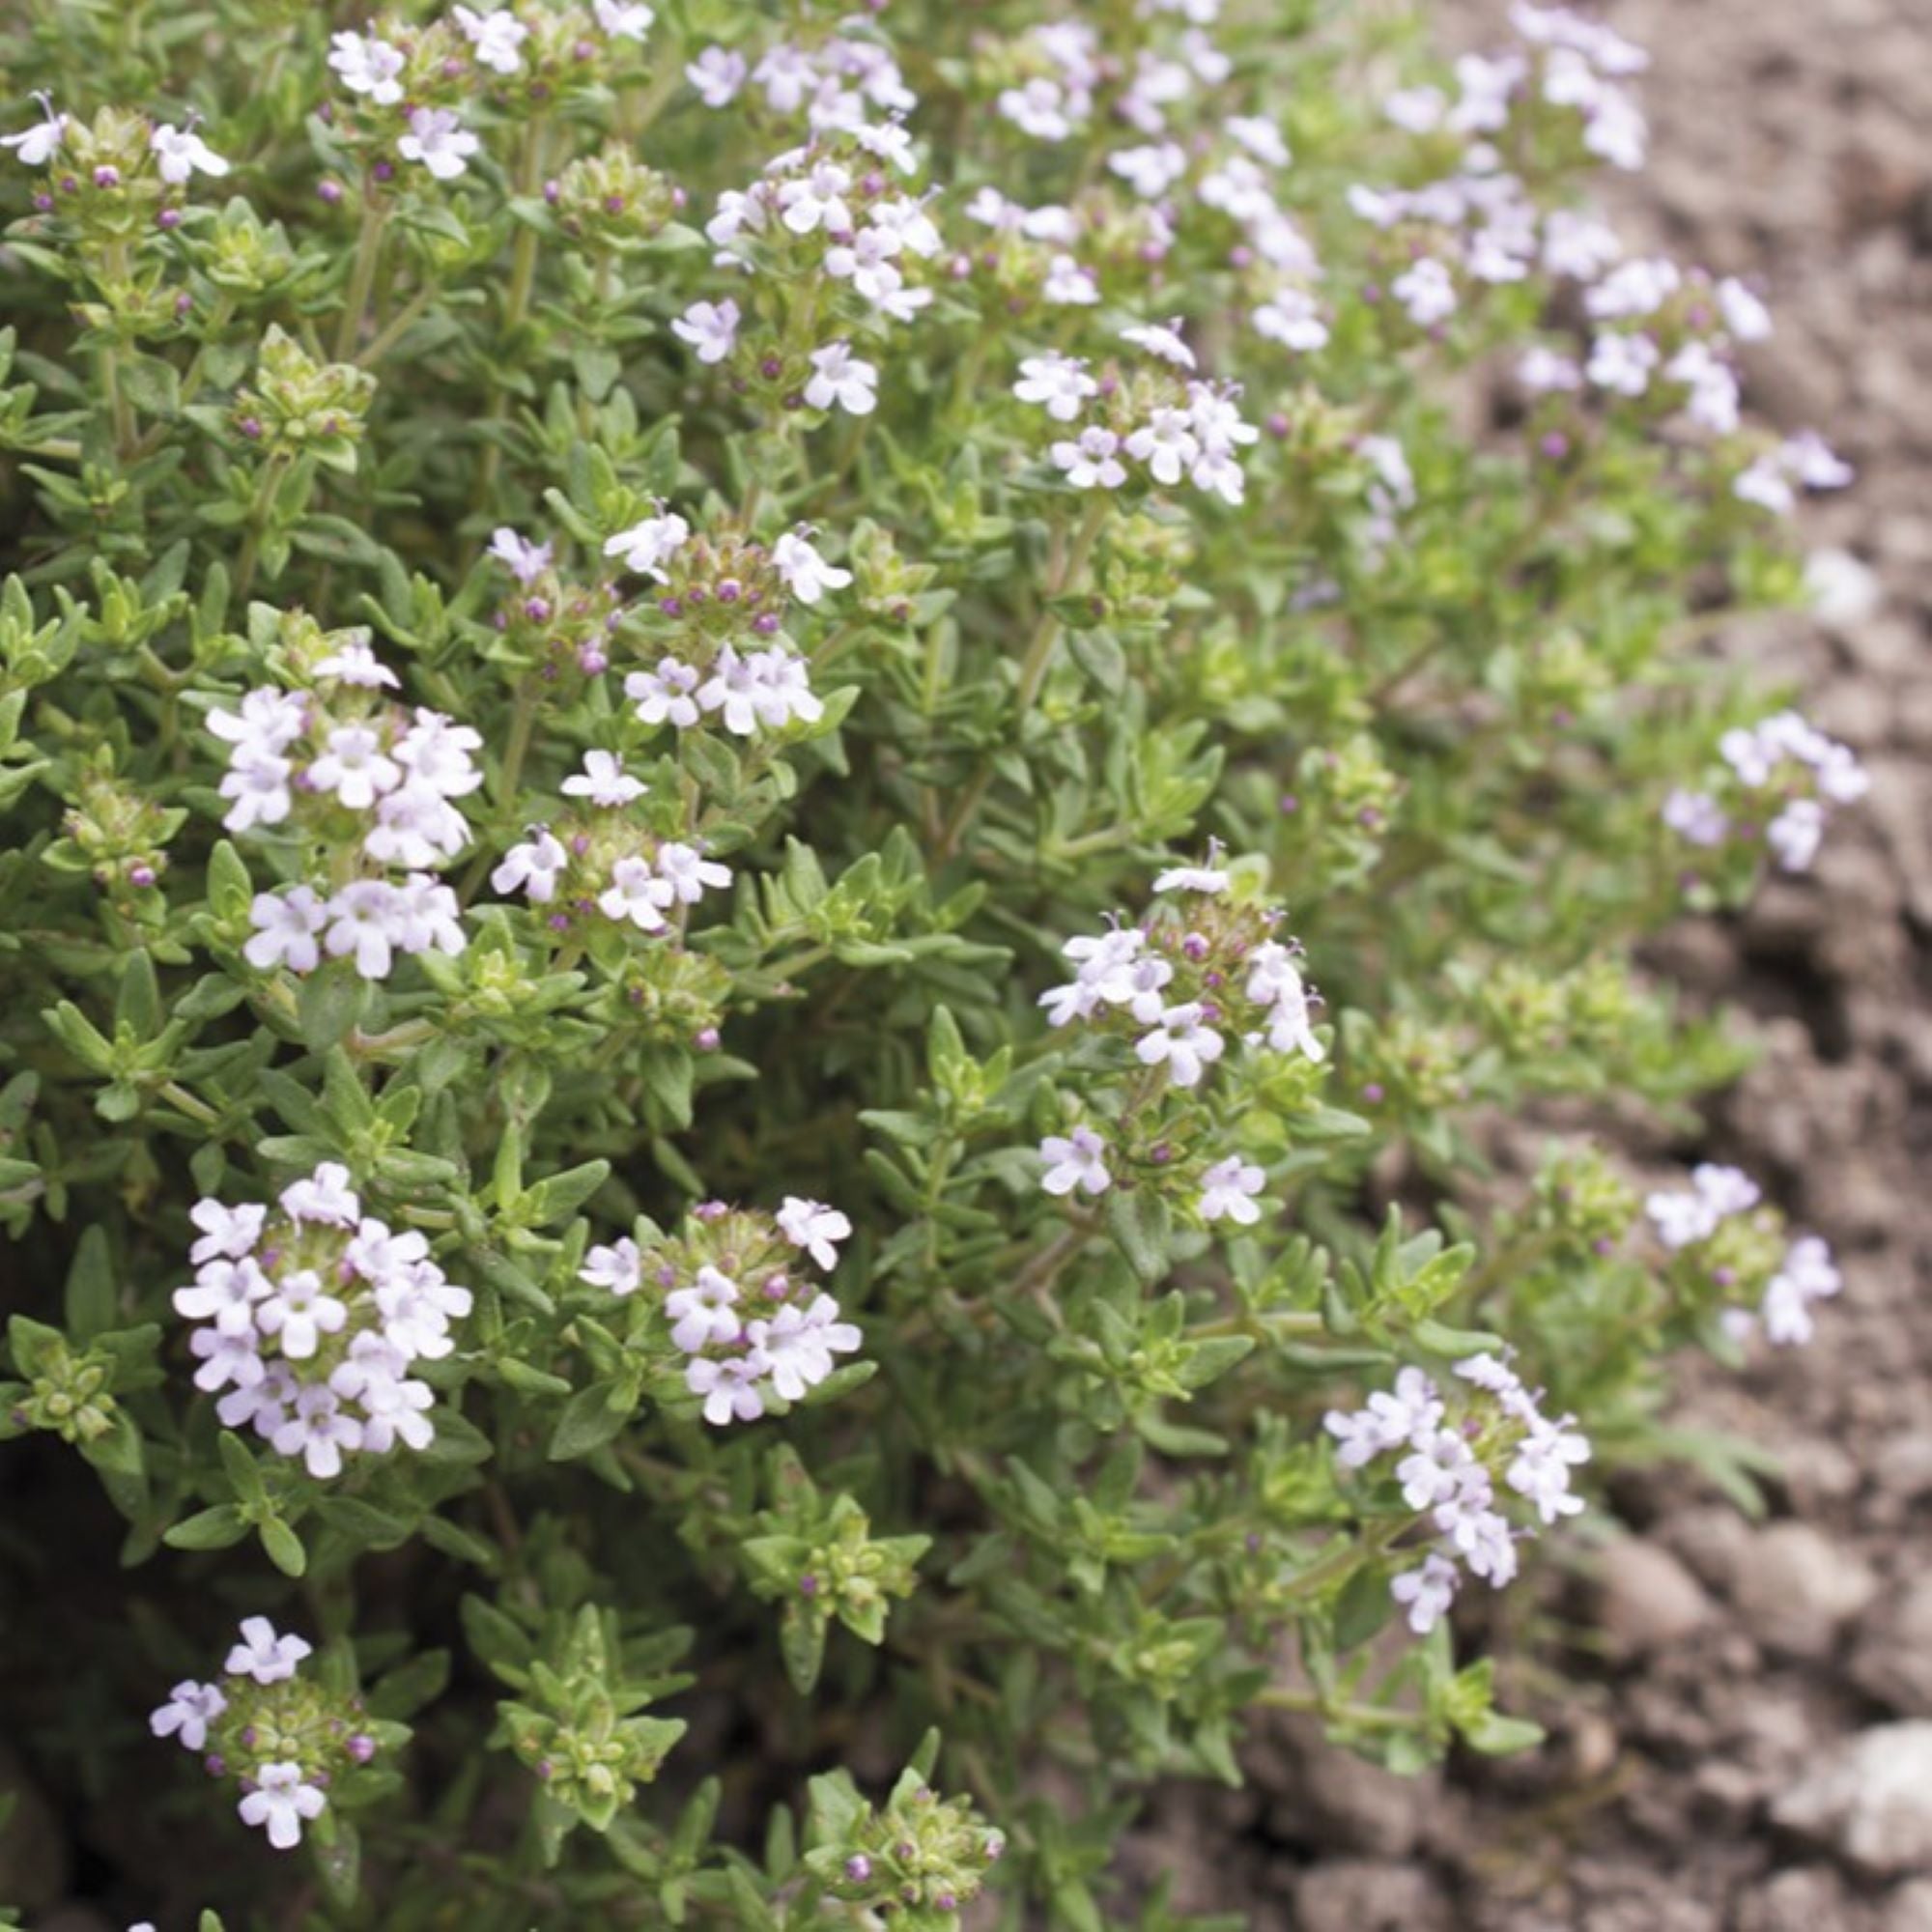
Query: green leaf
[
  {"x": 1141, "y": 1225},
  {"x": 592, "y": 1418},
  {"x": 284, "y": 1546}
]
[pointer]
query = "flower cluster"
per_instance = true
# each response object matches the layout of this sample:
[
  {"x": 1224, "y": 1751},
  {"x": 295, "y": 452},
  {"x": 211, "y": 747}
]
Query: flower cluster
[
  {"x": 837, "y": 83},
  {"x": 1160, "y": 417},
  {"x": 1780, "y": 779},
  {"x": 353, "y": 772},
  {"x": 831, "y": 231},
  {"x": 738, "y": 1303},
  {"x": 115, "y": 174},
  {"x": 1719, "y": 1231},
  {"x": 1449, "y": 1472},
  {"x": 285, "y": 1739},
  {"x": 719, "y": 618},
  {"x": 601, "y": 861},
  {"x": 1198, "y": 971},
  {"x": 407, "y": 85},
  {"x": 310, "y": 1318}
]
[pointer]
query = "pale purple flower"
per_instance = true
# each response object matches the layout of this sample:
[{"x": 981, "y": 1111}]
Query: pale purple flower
[
  {"x": 281, "y": 1801},
  {"x": 497, "y": 36},
  {"x": 1426, "y": 1592},
  {"x": 709, "y": 328},
  {"x": 264, "y": 1655},
  {"x": 815, "y": 1226},
  {"x": 368, "y": 66},
  {"x": 190, "y": 1709},
  {"x": 702, "y": 1313},
  {"x": 604, "y": 782},
  {"x": 524, "y": 561},
  {"x": 1183, "y": 1043},
  {"x": 840, "y": 378},
  {"x": 1074, "y": 1160},
  {"x": 636, "y": 893},
  {"x": 619, "y": 1268},
  {"x": 180, "y": 152},
  {"x": 1228, "y": 1189},
  {"x": 439, "y": 141},
  {"x": 534, "y": 867},
  {"x": 804, "y": 572}
]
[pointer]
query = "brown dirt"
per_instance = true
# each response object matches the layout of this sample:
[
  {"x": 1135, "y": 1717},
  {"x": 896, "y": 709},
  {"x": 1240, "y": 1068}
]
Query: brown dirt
[{"x": 1735, "y": 1663}]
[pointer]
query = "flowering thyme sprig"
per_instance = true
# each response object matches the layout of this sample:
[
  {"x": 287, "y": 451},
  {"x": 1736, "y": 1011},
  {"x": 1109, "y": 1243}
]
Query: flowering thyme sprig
[
  {"x": 1458, "y": 1448},
  {"x": 734, "y": 1298},
  {"x": 310, "y": 1318},
  {"x": 292, "y": 1744}
]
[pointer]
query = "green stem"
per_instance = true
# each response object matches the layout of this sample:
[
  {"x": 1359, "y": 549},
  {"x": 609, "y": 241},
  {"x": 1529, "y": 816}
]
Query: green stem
[
  {"x": 362, "y": 274},
  {"x": 393, "y": 329},
  {"x": 1033, "y": 665}
]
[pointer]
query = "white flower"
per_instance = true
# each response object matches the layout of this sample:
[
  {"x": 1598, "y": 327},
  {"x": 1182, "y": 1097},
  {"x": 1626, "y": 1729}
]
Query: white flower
[
  {"x": 37, "y": 145},
  {"x": 534, "y": 868},
  {"x": 716, "y": 74},
  {"x": 636, "y": 893},
  {"x": 1622, "y": 363},
  {"x": 1808, "y": 1275},
  {"x": 1037, "y": 108},
  {"x": 604, "y": 782},
  {"x": 1166, "y": 443},
  {"x": 815, "y": 1226},
  {"x": 646, "y": 546},
  {"x": 354, "y": 767},
  {"x": 618, "y": 1267},
  {"x": 279, "y": 1802},
  {"x": 866, "y": 260},
  {"x": 1426, "y": 291},
  {"x": 225, "y": 1359},
  {"x": 323, "y": 1196},
  {"x": 1541, "y": 1469},
  {"x": 817, "y": 199},
  {"x": 226, "y": 1293},
  {"x": 299, "y": 1313},
  {"x": 190, "y": 1709},
  {"x": 1795, "y": 835},
  {"x": 1291, "y": 1025},
  {"x": 180, "y": 152},
  {"x": 1390, "y": 1418},
  {"x": 355, "y": 662},
  {"x": 702, "y": 1313},
  {"x": 1228, "y": 1189},
  {"x": 256, "y": 784},
  {"x": 796, "y": 1344},
  {"x": 730, "y": 1387},
  {"x": 686, "y": 875},
  {"x": 1292, "y": 318},
  {"x": 1161, "y": 340},
  {"x": 368, "y": 66},
  {"x": 1069, "y": 285},
  {"x": 623, "y": 20},
  {"x": 1433, "y": 1473},
  {"x": 665, "y": 696},
  {"x": 363, "y": 924},
  {"x": 318, "y": 1432},
  {"x": 1059, "y": 383},
  {"x": 841, "y": 378},
  {"x": 734, "y": 688},
  {"x": 497, "y": 36},
  {"x": 264, "y": 1656},
  {"x": 711, "y": 328},
  {"x": 1695, "y": 816},
  {"x": 524, "y": 561},
  {"x": 1191, "y": 879},
  {"x": 1745, "y": 314},
  {"x": 1074, "y": 1160},
  {"x": 1183, "y": 1043},
  {"x": 439, "y": 140},
  {"x": 804, "y": 572},
  {"x": 1150, "y": 170},
  {"x": 1427, "y": 1592},
  {"x": 227, "y": 1233},
  {"x": 1091, "y": 461},
  {"x": 268, "y": 722}
]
